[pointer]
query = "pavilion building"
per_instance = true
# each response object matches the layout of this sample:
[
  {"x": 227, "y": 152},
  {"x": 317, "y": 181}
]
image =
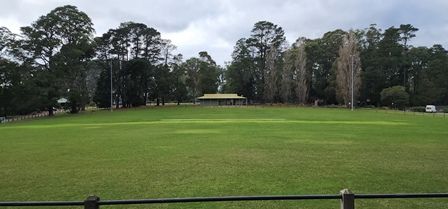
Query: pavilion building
[{"x": 222, "y": 99}]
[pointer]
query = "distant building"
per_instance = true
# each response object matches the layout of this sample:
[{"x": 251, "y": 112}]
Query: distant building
[
  {"x": 222, "y": 99},
  {"x": 62, "y": 101}
]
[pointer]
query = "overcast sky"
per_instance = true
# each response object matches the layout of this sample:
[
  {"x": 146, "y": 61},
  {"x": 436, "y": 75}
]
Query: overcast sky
[{"x": 215, "y": 25}]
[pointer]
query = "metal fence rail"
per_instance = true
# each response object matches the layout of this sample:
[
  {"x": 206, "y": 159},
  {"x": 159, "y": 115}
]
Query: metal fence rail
[
  {"x": 346, "y": 197},
  {"x": 15, "y": 118},
  {"x": 401, "y": 196},
  {"x": 219, "y": 199},
  {"x": 43, "y": 203}
]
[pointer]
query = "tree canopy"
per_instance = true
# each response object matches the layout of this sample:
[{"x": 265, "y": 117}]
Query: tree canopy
[{"x": 58, "y": 56}]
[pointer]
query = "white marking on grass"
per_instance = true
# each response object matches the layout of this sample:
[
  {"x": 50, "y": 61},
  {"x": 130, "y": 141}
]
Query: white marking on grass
[{"x": 198, "y": 131}]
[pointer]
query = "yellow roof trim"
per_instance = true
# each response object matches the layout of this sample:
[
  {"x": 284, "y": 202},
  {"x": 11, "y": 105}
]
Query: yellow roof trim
[{"x": 221, "y": 96}]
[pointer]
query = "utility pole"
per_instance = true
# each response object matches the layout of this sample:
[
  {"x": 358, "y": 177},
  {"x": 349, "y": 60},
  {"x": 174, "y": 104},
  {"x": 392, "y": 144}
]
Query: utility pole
[
  {"x": 111, "y": 89},
  {"x": 118, "y": 99},
  {"x": 352, "y": 83}
]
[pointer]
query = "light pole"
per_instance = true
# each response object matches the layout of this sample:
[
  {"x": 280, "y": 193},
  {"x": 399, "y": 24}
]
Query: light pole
[
  {"x": 111, "y": 90},
  {"x": 352, "y": 83}
]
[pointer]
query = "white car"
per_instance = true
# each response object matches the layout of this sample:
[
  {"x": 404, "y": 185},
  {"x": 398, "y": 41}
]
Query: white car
[{"x": 430, "y": 108}]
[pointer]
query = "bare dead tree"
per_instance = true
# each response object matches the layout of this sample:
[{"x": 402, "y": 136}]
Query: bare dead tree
[
  {"x": 294, "y": 74},
  {"x": 300, "y": 74},
  {"x": 287, "y": 75},
  {"x": 271, "y": 75},
  {"x": 348, "y": 60},
  {"x": 166, "y": 50}
]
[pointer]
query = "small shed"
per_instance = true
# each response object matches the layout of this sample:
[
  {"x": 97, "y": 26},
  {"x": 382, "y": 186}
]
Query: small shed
[{"x": 222, "y": 99}]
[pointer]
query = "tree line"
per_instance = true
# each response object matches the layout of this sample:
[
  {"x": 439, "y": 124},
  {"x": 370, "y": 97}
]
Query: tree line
[
  {"x": 383, "y": 67},
  {"x": 144, "y": 68},
  {"x": 58, "y": 56}
]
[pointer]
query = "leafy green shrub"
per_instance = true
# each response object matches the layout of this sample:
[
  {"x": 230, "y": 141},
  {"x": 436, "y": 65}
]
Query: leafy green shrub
[
  {"x": 334, "y": 106},
  {"x": 395, "y": 97},
  {"x": 417, "y": 109}
]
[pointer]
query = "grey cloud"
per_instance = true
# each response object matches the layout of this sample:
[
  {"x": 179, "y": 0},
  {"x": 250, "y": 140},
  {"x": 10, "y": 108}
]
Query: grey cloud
[{"x": 215, "y": 25}]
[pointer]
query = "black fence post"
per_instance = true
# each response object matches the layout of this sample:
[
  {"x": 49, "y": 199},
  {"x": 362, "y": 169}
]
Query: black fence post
[
  {"x": 92, "y": 202},
  {"x": 347, "y": 199}
]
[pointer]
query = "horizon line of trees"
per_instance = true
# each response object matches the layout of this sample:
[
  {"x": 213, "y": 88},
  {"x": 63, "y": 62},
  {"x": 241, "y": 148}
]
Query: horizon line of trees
[
  {"x": 319, "y": 71},
  {"x": 58, "y": 56}
]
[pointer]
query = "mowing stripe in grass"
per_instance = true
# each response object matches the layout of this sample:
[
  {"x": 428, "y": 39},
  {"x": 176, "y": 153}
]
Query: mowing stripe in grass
[{"x": 214, "y": 121}]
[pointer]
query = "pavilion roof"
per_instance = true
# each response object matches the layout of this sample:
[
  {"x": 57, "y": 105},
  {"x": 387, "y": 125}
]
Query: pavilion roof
[{"x": 221, "y": 96}]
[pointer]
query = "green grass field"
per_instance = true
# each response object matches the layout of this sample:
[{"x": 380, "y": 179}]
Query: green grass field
[{"x": 196, "y": 151}]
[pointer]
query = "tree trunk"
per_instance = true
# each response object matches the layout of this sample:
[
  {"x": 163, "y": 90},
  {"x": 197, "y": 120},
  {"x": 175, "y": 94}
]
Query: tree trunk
[
  {"x": 163, "y": 101},
  {"x": 74, "y": 109},
  {"x": 158, "y": 101},
  {"x": 117, "y": 104},
  {"x": 146, "y": 97},
  {"x": 50, "y": 111}
]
